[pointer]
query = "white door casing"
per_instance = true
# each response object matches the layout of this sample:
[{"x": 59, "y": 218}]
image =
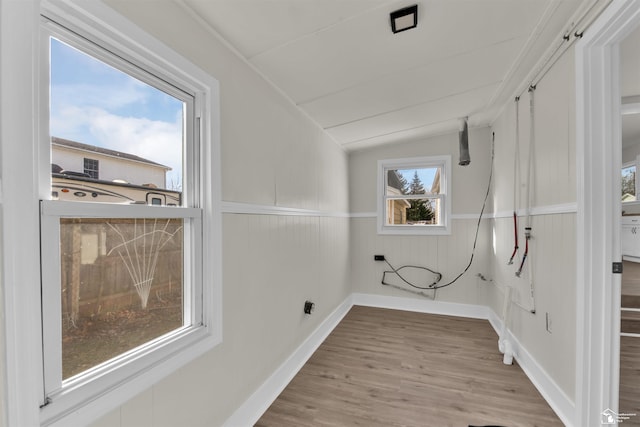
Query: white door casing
[{"x": 598, "y": 162}]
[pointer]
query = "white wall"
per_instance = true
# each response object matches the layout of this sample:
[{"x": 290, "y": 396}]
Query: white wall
[
  {"x": 630, "y": 153},
  {"x": 271, "y": 156},
  {"x": 446, "y": 254},
  {"x": 18, "y": 209},
  {"x": 3, "y": 380},
  {"x": 552, "y": 253}
]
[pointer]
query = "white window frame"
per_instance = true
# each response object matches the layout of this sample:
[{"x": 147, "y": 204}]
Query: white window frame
[
  {"x": 84, "y": 398},
  {"x": 636, "y": 163},
  {"x": 442, "y": 162}
]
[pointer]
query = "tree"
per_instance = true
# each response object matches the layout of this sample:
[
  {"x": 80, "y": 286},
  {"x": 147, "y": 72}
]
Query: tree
[
  {"x": 629, "y": 182},
  {"x": 404, "y": 184},
  {"x": 416, "y": 185},
  {"x": 419, "y": 209}
]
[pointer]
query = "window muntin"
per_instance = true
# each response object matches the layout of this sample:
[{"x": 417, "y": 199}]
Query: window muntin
[
  {"x": 413, "y": 196},
  {"x": 92, "y": 168},
  {"x": 197, "y": 199}
]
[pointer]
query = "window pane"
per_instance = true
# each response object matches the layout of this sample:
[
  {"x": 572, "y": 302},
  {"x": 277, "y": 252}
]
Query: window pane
[
  {"x": 413, "y": 211},
  {"x": 121, "y": 286},
  {"x": 629, "y": 184},
  {"x": 413, "y": 181},
  {"x": 113, "y": 136},
  {"x": 92, "y": 168}
]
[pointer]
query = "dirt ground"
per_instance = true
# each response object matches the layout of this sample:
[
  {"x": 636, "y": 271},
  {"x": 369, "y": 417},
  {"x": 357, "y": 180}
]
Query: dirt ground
[{"x": 92, "y": 341}]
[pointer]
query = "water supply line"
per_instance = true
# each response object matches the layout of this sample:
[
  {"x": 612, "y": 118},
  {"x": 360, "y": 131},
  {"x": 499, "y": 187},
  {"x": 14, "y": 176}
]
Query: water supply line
[
  {"x": 529, "y": 182},
  {"x": 504, "y": 343},
  {"x": 516, "y": 182},
  {"x": 572, "y": 32},
  {"x": 529, "y": 199},
  {"x": 438, "y": 276}
]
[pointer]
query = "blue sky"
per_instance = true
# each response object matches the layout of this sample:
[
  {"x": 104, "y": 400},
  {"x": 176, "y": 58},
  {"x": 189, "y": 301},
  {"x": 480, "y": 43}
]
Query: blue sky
[
  {"x": 425, "y": 175},
  {"x": 96, "y": 104}
]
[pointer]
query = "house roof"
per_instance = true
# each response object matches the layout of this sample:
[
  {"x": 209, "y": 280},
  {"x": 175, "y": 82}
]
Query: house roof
[
  {"x": 393, "y": 180},
  {"x": 105, "y": 151}
]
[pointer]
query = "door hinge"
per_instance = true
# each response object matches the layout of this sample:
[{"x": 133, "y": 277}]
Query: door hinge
[{"x": 617, "y": 268}]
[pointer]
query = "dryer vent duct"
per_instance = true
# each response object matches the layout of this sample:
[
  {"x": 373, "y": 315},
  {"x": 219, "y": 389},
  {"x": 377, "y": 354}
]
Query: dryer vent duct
[{"x": 463, "y": 135}]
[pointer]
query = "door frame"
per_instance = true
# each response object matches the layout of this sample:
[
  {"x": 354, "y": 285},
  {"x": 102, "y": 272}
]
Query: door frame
[{"x": 598, "y": 160}]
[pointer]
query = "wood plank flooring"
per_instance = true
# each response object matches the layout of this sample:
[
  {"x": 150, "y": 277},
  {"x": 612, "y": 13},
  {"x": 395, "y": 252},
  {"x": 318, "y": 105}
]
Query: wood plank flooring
[
  {"x": 629, "y": 402},
  {"x": 395, "y": 368},
  {"x": 630, "y": 379}
]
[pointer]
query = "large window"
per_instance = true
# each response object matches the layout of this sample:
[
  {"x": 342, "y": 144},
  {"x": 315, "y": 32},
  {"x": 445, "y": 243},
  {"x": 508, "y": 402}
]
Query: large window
[
  {"x": 413, "y": 195},
  {"x": 128, "y": 217}
]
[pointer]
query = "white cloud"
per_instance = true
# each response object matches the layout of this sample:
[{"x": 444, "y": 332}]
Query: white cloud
[
  {"x": 107, "y": 97},
  {"x": 154, "y": 140}
]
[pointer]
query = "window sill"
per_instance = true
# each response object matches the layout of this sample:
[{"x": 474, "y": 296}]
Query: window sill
[
  {"x": 415, "y": 230},
  {"x": 90, "y": 410}
]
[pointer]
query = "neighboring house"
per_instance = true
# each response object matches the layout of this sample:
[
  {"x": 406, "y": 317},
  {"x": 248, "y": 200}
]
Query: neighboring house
[
  {"x": 106, "y": 165},
  {"x": 397, "y": 209},
  {"x": 86, "y": 172},
  {"x": 435, "y": 189}
]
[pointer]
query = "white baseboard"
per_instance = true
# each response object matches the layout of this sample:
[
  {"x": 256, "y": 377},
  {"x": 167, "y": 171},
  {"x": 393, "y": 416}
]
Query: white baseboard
[
  {"x": 257, "y": 404},
  {"x": 563, "y": 406},
  {"x": 253, "y": 408},
  {"x": 421, "y": 305}
]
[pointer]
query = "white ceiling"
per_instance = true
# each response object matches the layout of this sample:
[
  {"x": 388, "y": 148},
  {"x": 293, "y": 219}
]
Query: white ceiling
[{"x": 339, "y": 61}]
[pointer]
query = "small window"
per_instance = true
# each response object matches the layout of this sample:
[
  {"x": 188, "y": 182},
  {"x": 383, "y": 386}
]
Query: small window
[
  {"x": 91, "y": 168},
  {"x": 629, "y": 183},
  {"x": 414, "y": 196}
]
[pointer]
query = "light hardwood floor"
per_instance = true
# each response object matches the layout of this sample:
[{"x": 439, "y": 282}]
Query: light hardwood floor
[
  {"x": 395, "y": 368},
  {"x": 630, "y": 346}
]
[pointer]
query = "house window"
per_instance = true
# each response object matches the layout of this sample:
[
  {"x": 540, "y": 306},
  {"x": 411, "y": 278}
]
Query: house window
[
  {"x": 91, "y": 168},
  {"x": 125, "y": 288},
  {"x": 629, "y": 182},
  {"x": 414, "y": 195}
]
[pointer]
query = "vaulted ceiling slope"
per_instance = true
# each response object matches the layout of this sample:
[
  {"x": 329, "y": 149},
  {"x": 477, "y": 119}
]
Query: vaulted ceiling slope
[{"x": 339, "y": 61}]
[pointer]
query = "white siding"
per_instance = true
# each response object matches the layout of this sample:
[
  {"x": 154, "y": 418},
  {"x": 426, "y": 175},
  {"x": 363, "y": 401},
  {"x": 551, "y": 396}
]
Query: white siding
[
  {"x": 552, "y": 252},
  {"x": 273, "y": 156},
  {"x": 110, "y": 168},
  {"x": 446, "y": 254},
  {"x": 18, "y": 209}
]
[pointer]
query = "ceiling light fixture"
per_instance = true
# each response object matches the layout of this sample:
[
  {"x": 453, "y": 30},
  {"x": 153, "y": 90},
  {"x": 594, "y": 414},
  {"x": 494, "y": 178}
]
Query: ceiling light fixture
[{"x": 404, "y": 19}]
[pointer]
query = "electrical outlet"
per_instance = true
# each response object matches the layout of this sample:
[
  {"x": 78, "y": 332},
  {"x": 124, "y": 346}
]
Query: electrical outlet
[{"x": 548, "y": 321}]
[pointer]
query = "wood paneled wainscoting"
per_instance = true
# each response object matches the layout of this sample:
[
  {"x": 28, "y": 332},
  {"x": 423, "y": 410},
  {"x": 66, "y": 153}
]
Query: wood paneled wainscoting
[{"x": 382, "y": 367}]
